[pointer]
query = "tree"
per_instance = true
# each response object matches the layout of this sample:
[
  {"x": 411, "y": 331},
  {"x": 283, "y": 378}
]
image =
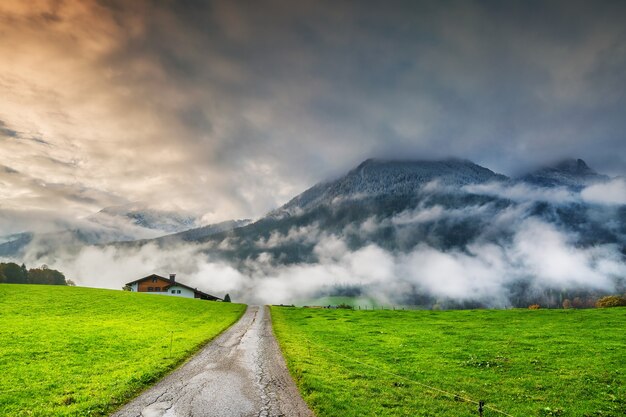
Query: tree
[
  {"x": 227, "y": 298},
  {"x": 45, "y": 275},
  {"x": 567, "y": 303},
  {"x": 577, "y": 302},
  {"x": 127, "y": 288},
  {"x": 70, "y": 283},
  {"x": 13, "y": 273}
]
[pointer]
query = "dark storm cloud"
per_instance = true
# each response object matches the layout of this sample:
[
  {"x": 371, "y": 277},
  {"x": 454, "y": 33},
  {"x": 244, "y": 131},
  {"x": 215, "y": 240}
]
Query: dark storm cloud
[
  {"x": 511, "y": 84},
  {"x": 229, "y": 108}
]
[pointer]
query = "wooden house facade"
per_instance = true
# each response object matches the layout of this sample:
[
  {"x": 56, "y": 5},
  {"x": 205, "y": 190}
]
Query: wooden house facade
[{"x": 156, "y": 284}]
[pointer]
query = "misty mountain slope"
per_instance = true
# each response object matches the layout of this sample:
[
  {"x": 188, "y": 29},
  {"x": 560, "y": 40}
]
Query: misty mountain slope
[
  {"x": 448, "y": 205},
  {"x": 14, "y": 244},
  {"x": 375, "y": 189},
  {"x": 141, "y": 215},
  {"x": 199, "y": 233},
  {"x": 375, "y": 177},
  {"x": 88, "y": 234},
  {"x": 411, "y": 231},
  {"x": 112, "y": 224},
  {"x": 400, "y": 205},
  {"x": 573, "y": 173}
]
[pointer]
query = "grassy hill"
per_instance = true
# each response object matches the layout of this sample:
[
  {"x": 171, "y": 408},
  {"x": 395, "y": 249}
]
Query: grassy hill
[
  {"x": 434, "y": 363},
  {"x": 70, "y": 351}
]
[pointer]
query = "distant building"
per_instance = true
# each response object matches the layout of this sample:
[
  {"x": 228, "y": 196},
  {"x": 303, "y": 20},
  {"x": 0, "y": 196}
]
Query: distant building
[{"x": 157, "y": 284}]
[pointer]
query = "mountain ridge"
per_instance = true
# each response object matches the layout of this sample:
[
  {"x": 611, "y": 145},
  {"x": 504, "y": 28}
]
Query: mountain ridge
[
  {"x": 384, "y": 189},
  {"x": 417, "y": 216},
  {"x": 380, "y": 176},
  {"x": 427, "y": 208}
]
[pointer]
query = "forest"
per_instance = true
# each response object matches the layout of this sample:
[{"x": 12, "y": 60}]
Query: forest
[{"x": 12, "y": 273}]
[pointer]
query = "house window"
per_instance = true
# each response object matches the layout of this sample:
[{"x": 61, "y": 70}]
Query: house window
[
  {"x": 173, "y": 291},
  {"x": 157, "y": 289},
  {"x": 177, "y": 291},
  {"x": 150, "y": 288},
  {"x": 154, "y": 279}
]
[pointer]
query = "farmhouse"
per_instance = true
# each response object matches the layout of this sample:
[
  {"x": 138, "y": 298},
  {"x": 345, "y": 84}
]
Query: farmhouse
[{"x": 157, "y": 284}]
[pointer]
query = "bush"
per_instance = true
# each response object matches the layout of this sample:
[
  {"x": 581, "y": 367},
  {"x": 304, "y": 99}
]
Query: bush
[
  {"x": 534, "y": 307},
  {"x": 611, "y": 301},
  {"x": 567, "y": 304},
  {"x": 346, "y": 306}
]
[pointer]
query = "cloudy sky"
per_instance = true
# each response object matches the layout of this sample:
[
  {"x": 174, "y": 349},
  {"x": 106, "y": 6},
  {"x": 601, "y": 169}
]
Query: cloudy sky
[{"x": 229, "y": 108}]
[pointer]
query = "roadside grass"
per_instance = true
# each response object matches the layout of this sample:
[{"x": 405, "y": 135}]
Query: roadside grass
[
  {"x": 525, "y": 363},
  {"x": 71, "y": 351}
]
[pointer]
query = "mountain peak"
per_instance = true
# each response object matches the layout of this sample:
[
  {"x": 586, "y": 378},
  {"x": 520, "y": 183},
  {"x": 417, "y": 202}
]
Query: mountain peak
[
  {"x": 572, "y": 173},
  {"x": 374, "y": 178},
  {"x": 574, "y": 166}
]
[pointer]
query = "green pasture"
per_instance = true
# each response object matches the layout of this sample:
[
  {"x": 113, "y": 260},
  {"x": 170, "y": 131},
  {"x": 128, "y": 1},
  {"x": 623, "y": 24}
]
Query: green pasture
[
  {"x": 436, "y": 363},
  {"x": 70, "y": 351}
]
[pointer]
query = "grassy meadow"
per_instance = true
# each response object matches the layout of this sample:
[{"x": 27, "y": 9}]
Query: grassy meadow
[
  {"x": 70, "y": 351},
  {"x": 522, "y": 362}
]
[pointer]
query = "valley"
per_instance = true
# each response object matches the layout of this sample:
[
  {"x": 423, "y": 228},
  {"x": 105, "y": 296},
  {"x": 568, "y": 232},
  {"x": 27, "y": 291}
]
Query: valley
[
  {"x": 447, "y": 233},
  {"x": 217, "y": 208}
]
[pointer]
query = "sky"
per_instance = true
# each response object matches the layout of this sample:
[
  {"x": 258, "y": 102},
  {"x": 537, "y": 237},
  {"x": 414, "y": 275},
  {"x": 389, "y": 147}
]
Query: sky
[{"x": 227, "y": 109}]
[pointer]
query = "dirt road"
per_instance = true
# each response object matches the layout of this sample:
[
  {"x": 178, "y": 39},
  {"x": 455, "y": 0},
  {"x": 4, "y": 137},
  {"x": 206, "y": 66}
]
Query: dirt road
[{"x": 241, "y": 373}]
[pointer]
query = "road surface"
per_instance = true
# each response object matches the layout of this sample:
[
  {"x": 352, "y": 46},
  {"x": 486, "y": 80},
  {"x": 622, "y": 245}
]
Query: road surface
[{"x": 240, "y": 374}]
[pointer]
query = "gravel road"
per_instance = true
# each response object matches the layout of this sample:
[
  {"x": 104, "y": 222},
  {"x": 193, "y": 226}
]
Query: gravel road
[{"x": 241, "y": 373}]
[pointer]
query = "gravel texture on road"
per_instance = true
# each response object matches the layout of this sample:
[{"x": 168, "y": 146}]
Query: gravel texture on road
[{"x": 241, "y": 373}]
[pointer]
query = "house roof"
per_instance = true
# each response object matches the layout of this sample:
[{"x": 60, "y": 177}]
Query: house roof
[
  {"x": 178, "y": 283},
  {"x": 148, "y": 277}
]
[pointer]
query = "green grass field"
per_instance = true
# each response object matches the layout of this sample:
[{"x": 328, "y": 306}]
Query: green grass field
[
  {"x": 525, "y": 363},
  {"x": 69, "y": 351}
]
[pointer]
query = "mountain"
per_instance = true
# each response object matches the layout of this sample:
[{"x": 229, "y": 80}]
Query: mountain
[
  {"x": 142, "y": 216},
  {"x": 375, "y": 177},
  {"x": 13, "y": 244},
  {"x": 399, "y": 205},
  {"x": 443, "y": 210},
  {"x": 128, "y": 222},
  {"x": 394, "y": 204},
  {"x": 197, "y": 234},
  {"x": 572, "y": 173}
]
